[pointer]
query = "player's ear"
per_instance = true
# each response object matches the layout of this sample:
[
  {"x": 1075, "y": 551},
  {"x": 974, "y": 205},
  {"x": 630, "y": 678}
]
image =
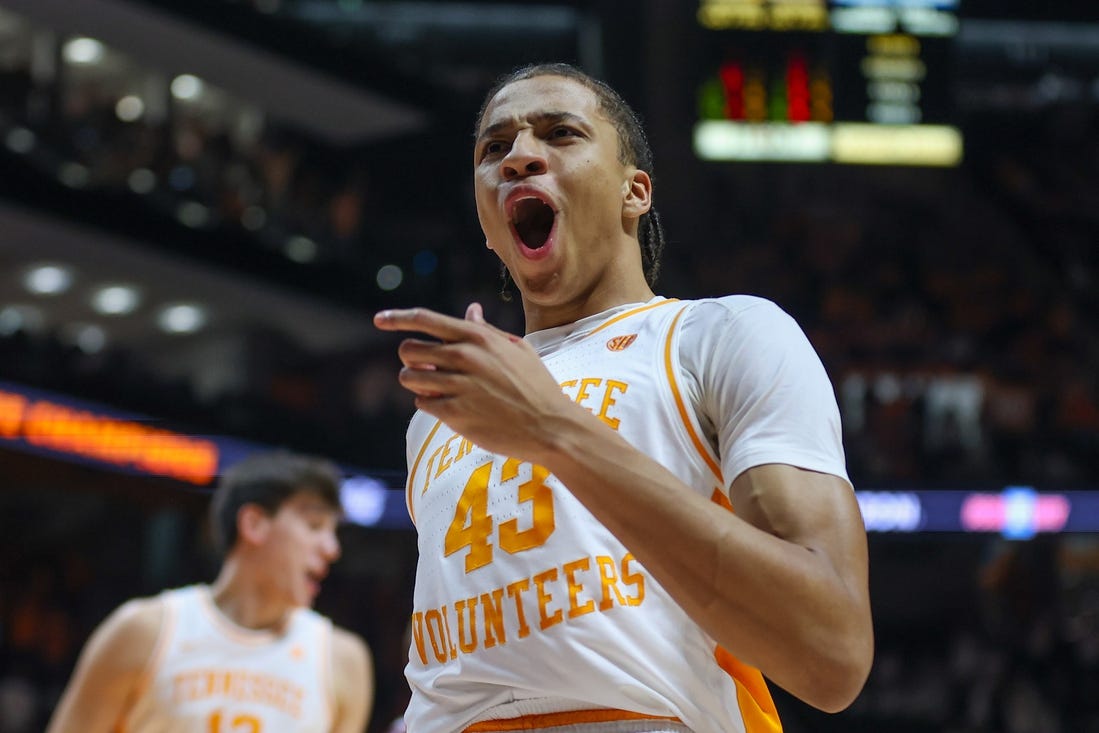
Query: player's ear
[
  {"x": 637, "y": 194},
  {"x": 253, "y": 524}
]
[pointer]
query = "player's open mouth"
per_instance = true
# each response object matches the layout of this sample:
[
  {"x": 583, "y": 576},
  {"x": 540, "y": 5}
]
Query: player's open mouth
[{"x": 532, "y": 219}]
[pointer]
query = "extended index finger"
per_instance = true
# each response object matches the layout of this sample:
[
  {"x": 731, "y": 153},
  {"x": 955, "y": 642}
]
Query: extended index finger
[{"x": 424, "y": 320}]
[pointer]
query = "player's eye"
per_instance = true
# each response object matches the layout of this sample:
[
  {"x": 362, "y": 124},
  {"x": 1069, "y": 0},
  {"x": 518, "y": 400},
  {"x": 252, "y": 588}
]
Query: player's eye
[{"x": 494, "y": 147}]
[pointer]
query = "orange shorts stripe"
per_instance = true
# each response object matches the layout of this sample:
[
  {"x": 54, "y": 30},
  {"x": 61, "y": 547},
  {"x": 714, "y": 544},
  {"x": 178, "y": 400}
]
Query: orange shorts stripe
[{"x": 569, "y": 717}]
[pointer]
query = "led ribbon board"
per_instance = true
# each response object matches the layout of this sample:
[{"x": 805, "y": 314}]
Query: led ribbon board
[
  {"x": 78, "y": 431},
  {"x": 1015, "y": 512},
  {"x": 61, "y": 427}
]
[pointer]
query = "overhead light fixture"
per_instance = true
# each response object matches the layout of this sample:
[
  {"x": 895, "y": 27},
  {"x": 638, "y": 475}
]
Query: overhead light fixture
[
  {"x": 115, "y": 300},
  {"x": 253, "y": 218},
  {"x": 389, "y": 277},
  {"x": 182, "y": 318},
  {"x": 142, "y": 180},
  {"x": 73, "y": 175},
  {"x": 20, "y": 140},
  {"x": 193, "y": 214},
  {"x": 186, "y": 86},
  {"x": 20, "y": 317},
  {"x": 83, "y": 51},
  {"x": 300, "y": 249},
  {"x": 88, "y": 337},
  {"x": 130, "y": 108},
  {"x": 48, "y": 279}
]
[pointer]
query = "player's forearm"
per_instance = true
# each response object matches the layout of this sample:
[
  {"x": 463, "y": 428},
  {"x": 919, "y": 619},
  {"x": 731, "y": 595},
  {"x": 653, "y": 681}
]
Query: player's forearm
[
  {"x": 774, "y": 604},
  {"x": 72, "y": 716}
]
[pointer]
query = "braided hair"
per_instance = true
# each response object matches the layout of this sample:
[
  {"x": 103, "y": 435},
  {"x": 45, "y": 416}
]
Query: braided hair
[{"x": 633, "y": 149}]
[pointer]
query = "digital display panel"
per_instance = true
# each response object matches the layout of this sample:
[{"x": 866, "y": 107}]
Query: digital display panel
[{"x": 846, "y": 81}]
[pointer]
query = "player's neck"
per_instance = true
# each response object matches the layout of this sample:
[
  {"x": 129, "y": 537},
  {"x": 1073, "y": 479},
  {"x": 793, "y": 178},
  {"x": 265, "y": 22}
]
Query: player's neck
[
  {"x": 540, "y": 316},
  {"x": 242, "y": 599}
]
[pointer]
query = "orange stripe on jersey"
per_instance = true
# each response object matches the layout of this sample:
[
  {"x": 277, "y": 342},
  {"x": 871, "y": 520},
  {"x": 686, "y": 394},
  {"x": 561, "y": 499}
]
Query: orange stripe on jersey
[
  {"x": 226, "y": 626},
  {"x": 327, "y": 666},
  {"x": 752, "y": 696},
  {"x": 632, "y": 312},
  {"x": 416, "y": 465},
  {"x": 721, "y": 500},
  {"x": 682, "y": 408},
  {"x": 569, "y": 717}
]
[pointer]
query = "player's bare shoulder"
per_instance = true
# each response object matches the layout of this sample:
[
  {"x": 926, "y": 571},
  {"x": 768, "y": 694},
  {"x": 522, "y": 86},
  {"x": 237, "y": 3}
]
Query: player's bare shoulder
[
  {"x": 130, "y": 633},
  {"x": 353, "y": 668},
  {"x": 351, "y": 653},
  {"x": 110, "y": 668}
]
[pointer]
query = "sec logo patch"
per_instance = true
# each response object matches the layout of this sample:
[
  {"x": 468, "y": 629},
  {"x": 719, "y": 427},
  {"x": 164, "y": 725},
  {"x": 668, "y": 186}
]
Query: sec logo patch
[{"x": 618, "y": 343}]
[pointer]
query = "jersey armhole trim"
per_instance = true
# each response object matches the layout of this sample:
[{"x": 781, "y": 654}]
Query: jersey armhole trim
[
  {"x": 327, "y": 666},
  {"x": 415, "y": 467},
  {"x": 681, "y": 407}
]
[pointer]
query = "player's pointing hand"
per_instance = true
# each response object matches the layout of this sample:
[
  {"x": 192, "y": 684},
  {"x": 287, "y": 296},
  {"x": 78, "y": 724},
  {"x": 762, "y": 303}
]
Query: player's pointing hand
[{"x": 484, "y": 383}]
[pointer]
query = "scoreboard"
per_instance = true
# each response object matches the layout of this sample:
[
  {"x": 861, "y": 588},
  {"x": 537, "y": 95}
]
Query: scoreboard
[{"x": 841, "y": 81}]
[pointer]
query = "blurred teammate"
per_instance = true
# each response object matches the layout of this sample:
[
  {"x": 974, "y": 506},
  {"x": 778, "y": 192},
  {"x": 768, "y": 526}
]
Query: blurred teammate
[
  {"x": 246, "y": 654},
  {"x": 578, "y": 563}
]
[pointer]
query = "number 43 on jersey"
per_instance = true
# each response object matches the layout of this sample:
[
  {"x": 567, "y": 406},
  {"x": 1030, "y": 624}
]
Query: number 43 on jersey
[{"x": 473, "y": 527}]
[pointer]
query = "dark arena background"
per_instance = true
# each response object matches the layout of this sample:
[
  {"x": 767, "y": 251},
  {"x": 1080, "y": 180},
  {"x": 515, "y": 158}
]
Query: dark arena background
[{"x": 202, "y": 203}]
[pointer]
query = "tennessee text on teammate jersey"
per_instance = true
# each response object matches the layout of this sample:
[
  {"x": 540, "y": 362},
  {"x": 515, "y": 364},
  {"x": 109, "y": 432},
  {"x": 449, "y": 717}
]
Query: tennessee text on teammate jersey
[{"x": 238, "y": 686}]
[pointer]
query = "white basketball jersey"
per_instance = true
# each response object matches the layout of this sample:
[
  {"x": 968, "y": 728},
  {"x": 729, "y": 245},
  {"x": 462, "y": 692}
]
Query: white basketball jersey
[
  {"x": 522, "y": 598},
  {"x": 209, "y": 675}
]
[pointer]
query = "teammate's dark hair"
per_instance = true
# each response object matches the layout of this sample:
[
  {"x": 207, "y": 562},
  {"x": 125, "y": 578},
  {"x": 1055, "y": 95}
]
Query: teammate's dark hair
[
  {"x": 269, "y": 479},
  {"x": 633, "y": 145}
]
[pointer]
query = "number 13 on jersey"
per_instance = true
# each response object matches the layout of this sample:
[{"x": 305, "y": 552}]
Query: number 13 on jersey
[
  {"x": 473, "y": 526},
  {"x": 221, "y": 723}
]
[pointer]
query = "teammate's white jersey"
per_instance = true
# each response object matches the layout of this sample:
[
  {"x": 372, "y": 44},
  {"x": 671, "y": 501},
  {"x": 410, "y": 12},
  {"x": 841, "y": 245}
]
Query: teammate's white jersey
[
  {"x": 526, "y": 605},
  {"x": 208, "y": 675}
]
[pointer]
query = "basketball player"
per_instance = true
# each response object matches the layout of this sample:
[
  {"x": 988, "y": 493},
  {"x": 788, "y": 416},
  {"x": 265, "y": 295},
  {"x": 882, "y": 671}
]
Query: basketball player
[
  {"x": 580, "y": 568},
  {"x": 246, "y": 654}
]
